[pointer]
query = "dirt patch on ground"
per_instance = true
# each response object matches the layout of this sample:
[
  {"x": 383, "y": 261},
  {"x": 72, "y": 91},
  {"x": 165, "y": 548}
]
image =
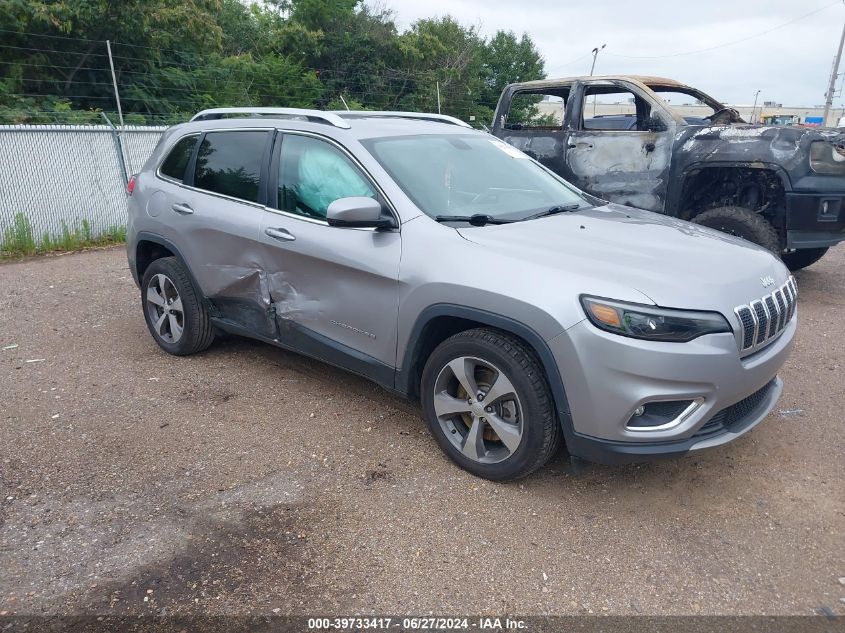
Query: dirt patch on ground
[{"x": 250, "y": 481}]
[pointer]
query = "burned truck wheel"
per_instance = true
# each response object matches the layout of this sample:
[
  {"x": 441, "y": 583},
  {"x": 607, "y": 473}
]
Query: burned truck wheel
[
  {"x": 742, "y": 223},
  {"x": 796, "y": 260}
]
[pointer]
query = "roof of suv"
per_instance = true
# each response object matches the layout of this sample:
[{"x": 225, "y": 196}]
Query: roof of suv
[{"x": 360, "y": 123}]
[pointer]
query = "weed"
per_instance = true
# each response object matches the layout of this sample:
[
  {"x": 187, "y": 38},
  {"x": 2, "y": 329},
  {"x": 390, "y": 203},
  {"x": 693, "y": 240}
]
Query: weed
[{"x": 18, "y": 240}]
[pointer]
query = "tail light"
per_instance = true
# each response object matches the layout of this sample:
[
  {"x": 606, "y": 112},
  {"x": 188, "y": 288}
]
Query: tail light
[{"x": 130, "y": 186}]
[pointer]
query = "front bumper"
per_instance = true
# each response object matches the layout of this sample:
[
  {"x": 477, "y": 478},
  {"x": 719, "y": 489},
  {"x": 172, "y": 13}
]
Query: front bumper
[
  {"x": 814, "y": 220},
  {"x": 607, "y": 377},
  {"x": 607, "y": 452}
]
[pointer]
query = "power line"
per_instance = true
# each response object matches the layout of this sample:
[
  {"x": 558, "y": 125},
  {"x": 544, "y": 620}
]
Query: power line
[
  {"x": 82, "y": 39},
  {"x": 216, "y": 75},
  {"x": 723, "y": 45},
  {"x": 576, "y": 60},
  {"x": 50, "y": 50},
  {"x": 52, "y": 37}
]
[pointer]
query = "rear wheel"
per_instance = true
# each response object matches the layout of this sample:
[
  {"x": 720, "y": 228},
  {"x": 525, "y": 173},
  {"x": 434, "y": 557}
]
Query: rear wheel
[
  {"x": 743, "y": 223},
  {"x": 175, "y": 315},
  {"x": 487, "y": 403},
  {"x": 796, "y": 260}
]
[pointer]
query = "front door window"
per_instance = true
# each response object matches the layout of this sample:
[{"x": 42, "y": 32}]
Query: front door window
[{"x": 313, "y": 174}]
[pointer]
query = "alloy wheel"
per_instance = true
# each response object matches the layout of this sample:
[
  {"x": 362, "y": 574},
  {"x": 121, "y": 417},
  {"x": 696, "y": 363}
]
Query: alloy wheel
[
  {"x": 164, "y": 307},
  {"x": 478, "y": 409}
]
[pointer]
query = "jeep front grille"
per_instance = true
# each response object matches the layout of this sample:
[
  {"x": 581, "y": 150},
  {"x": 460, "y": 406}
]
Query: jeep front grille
[{"x": 763, "y": 319}]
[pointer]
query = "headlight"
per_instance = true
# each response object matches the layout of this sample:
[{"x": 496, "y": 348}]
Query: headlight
[
  {"x": 827, "y": 158},
  {"x": 651, "y": 323}
]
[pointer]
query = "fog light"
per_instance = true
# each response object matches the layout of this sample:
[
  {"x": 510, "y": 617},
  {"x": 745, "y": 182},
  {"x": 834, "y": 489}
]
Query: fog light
[{"x": 662, "y": 415}]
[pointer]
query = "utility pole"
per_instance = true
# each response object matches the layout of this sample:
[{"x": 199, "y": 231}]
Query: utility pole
[
  {"x": 596, "y": 52},
  {"x": 754, "y": 107},
  {"x": 834, "y": 73},
  {"x": 117, "y": 96},
  {"x": 437, "y": 85}
]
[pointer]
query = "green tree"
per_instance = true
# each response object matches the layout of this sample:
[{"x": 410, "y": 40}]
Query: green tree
[
  {"x": 510, "y": 60},
  {"x": 174, "y": 57},
  {"x": 442, "y": 55}
]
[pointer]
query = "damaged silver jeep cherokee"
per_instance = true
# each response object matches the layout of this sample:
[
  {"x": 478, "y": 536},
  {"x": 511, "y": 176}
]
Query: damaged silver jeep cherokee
[{"x": 448, "y": 266}]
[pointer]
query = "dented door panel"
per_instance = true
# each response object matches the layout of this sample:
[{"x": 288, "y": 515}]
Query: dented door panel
[
  {"x": 220, "y": 240},
  {"x": 333, "y": 287},
  {"x": 626, "y": 167}
]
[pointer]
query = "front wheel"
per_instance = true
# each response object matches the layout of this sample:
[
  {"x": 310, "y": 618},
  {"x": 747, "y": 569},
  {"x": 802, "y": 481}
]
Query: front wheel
[
  {"x": 487, "y": 403},
  {"x": 796, "y": 260},
  {"x": 743, "y": 223}
]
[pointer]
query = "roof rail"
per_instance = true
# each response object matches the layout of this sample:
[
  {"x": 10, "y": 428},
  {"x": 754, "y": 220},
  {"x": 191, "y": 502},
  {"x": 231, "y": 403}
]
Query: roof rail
[
  {"x": 311, "y": 115},
  {"x": 440, "y": 118}
]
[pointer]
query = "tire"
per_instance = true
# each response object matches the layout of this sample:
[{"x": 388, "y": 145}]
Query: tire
[
  {"x": 742, "y": 223},
  {"x": 796, "y": 260},
  {"x": 526, "y": 420},
  {"x": 165, "y": 288}
]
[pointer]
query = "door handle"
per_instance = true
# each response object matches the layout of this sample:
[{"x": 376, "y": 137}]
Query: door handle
[
  {"x": 181, "y": 207},
  {"x": 571, "y": 145},
  {"x": 280, "y": 234}
]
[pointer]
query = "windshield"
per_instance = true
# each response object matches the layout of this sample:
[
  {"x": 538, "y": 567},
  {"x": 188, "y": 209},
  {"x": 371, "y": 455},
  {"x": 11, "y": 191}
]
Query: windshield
[
  {"x": 465, "y": 175},
  {"x": 692, "y": 105}
]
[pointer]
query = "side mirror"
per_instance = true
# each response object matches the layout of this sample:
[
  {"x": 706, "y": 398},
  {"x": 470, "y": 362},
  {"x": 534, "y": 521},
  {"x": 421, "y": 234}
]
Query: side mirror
[{"x": 359, "y": 212}]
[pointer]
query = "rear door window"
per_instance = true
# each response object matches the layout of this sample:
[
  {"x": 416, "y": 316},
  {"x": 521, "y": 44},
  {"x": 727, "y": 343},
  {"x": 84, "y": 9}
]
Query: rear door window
[
  {"x": 537, "y": 111},
  {"x": 229, "y": 163},
  {"x": 177, "y": 160}
]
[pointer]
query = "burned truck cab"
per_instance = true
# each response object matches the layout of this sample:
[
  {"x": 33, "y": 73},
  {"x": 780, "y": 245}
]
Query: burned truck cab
[{"x": 622, "y": 140}]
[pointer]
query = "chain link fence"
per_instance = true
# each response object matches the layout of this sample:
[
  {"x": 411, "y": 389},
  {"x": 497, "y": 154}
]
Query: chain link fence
[{"x": 60, "y": 180}]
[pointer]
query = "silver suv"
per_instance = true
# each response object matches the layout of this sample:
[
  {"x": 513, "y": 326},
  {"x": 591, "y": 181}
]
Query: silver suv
[{"x": 448, "y": 266}]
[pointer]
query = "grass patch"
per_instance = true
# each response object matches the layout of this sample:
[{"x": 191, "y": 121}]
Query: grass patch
[{"x": 18, "y": 240}]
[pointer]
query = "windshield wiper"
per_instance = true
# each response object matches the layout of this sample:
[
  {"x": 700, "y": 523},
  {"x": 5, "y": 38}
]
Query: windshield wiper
[
  {"x": 479, "y": 219},
  {"x": 558, "y": 208}
]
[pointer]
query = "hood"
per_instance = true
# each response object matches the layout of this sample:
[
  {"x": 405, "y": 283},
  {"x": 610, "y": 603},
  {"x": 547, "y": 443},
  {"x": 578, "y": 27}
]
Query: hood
[
  {"x": 754, "y": 130},
  {"x": 674, "y": 263},
  {"x": 784, "y": 145}
]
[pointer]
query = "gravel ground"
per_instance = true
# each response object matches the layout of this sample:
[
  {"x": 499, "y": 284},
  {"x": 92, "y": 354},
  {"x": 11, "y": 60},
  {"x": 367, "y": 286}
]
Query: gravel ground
[{"x": 247, "y": 480}]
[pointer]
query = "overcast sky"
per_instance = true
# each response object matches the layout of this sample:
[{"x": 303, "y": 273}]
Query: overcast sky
[{"x": 790, "y": 65}]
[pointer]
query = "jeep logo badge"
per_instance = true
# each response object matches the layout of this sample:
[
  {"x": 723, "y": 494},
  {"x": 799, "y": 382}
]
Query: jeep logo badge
[{"x": 767, "y": 281}]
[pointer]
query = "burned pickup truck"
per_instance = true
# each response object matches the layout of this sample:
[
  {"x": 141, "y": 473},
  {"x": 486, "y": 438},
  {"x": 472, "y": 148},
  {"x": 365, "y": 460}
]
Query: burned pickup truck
[{"x": 620, "y": 139}]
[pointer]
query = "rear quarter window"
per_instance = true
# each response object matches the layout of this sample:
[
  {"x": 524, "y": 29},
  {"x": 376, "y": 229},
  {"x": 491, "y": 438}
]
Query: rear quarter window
[
  {"x": 177, "y": 160},
  {"x": 230, "y": 163}
]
